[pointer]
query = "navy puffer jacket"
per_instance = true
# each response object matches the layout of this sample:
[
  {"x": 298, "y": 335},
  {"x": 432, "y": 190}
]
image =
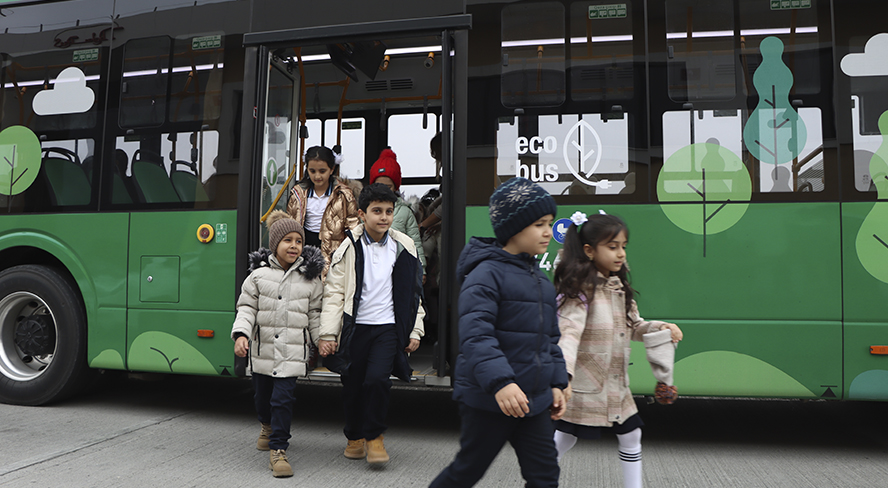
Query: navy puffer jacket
[{"x": 508, "y": 328}]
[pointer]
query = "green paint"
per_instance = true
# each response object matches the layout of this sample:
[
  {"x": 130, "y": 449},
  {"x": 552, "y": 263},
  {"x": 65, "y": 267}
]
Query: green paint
[
  {"x": 774, "y": 133},
  {"x": 872, "y": 238},
  {"x": 98, "y": 265},
  {"x": 711, "y": 177},
  {"x": 869, "y": 385},
  {"x": 751, "y": 301},
  {"x": 107, "y": 359},
  {"x": 159, "y": 280},
  {"x": 163, "y": 352},
  {"x": 19, "y": 159},
  {"x": 728, "y": 373},
  {"x": 206, "y": 271}
]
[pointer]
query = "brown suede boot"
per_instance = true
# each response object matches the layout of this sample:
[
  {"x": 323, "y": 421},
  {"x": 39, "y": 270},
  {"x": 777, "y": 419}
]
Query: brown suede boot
[
  {"x": 376, "y": 451},
  {"x": 264, "y": 434},
  {"x": 279, "y": 464},
  {"x": 356, "y": 449}
]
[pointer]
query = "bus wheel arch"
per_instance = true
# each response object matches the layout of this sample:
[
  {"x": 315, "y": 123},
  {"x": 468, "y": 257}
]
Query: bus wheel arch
[{"x": 42, "y": 335}]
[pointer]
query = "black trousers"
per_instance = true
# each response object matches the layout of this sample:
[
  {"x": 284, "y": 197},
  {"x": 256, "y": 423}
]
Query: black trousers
[
  {"x": 367, "y": 386},
  {"x": 483, "y": 435},
  {"x": 274, "y": 399}
]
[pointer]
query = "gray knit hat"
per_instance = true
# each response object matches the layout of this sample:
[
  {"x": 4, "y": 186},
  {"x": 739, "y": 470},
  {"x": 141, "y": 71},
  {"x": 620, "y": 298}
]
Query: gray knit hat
[
  {"x": 516, "y": 204},
  {"x": 279, "y": 224}
]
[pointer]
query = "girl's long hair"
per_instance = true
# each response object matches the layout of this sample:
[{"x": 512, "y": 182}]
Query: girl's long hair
[
  {"x": 576, "y": 274},
  {"x": 320, "y": 153}
]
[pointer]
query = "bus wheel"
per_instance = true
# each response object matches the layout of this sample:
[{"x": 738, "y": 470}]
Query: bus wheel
[{"x": 42, "y": 336}]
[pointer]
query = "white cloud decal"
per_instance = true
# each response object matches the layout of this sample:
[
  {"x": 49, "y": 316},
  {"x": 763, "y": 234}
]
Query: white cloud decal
[
  {"x": 873, "y": 61},
  {"x": 69, "y": 95}
]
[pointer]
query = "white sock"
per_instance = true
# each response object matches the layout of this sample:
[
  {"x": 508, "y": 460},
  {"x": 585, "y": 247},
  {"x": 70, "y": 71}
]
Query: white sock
[
  {"x": 563, "y": 443},
  {"x": 630, "y": 458}
]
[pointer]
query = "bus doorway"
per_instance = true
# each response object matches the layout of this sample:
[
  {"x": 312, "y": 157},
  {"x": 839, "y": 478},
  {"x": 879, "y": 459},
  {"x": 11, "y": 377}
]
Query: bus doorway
[{"x": 360, "y": 89}]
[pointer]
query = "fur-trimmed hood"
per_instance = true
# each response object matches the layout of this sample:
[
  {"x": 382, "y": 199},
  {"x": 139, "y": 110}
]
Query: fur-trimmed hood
[{"x": 310, "y": 264}]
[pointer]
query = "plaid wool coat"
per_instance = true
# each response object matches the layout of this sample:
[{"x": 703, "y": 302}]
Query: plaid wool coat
[{"x": 595, "y": 342}]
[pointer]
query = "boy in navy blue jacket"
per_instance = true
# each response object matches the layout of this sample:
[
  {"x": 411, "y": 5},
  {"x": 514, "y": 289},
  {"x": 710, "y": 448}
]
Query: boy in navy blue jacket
[{"x": 510, "y": 373}]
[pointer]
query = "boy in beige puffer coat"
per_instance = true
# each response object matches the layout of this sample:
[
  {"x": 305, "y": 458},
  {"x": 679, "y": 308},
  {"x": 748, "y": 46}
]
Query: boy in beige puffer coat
[{"x": 278, "y": 315}]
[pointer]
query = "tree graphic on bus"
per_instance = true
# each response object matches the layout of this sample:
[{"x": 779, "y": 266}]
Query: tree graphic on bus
[
  {"x": 19, "y": 159},
  {"x": 872, "y": 239},
  {"x": 774, "y": 133}
]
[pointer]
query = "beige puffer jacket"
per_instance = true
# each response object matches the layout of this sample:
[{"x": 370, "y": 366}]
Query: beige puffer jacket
[
  {"x": 341, "y": 212},
  {"x": 279, "y": 311}
]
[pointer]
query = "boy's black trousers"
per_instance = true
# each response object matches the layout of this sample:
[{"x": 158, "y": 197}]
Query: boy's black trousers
[
  {"x": 483, "y": 435},
  {"x": 367, "y": 386},
  {"x": 274, "y": 398}
]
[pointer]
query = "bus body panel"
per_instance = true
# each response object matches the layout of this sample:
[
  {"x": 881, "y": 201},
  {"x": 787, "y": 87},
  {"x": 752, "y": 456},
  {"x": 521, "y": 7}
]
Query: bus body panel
[
  {"x": 864, "y": 296},
  {"x": 92, "y": 248}
]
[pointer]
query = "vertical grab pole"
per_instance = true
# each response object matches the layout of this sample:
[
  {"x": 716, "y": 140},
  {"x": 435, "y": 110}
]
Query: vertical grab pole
[{"x": 446, "y": 293}]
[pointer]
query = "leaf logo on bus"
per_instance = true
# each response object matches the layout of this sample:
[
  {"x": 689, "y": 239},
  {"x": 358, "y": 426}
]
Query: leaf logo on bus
[{"x": 19, "y": 159}]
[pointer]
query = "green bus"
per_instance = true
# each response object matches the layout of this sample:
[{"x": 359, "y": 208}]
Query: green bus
[{"x": 145, "y": 140}]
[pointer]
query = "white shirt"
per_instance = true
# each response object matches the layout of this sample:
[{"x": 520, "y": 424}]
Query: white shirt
[
  {"x": 315, "y": 207},
  {"x": 377, "y": 304}
]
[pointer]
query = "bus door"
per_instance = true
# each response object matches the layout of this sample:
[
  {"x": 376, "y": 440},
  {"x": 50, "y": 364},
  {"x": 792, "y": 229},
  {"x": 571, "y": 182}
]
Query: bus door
[{"x": 358, "y": 89}]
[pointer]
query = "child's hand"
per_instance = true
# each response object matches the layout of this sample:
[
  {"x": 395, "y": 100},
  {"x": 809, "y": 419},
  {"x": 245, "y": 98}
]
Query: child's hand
[
  {"x": 676, "y": 332},
  {"x": 414, "y": 345},
  {"x": 241, "y": 346},
  {"x": 559, "y": 404},
  {"x": 512, "y": 401},
  {"x": 568, "y": 392},
  {"x": 326, "y": 348}
]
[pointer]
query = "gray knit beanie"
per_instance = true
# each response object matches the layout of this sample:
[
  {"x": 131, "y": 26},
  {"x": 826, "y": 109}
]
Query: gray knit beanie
[
  {"x": 516, "y": 204},
  {"x": 279, "y": 224}
]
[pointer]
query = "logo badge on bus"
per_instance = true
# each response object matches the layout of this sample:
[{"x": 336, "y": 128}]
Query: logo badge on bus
[{"x": 559, "y": 229}]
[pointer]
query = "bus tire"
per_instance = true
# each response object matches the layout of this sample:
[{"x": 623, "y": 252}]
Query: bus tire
[{"x": 42, "y": 336}]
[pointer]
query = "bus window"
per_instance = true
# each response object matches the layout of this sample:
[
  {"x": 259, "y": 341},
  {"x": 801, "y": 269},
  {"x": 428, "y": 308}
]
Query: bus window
[
  {"x": 533, "y": 57},
  {"x": 196, "y": 78},
  {"x": 410, "y": 141},
  {"x": 167, "y": 168},
  {"x": 700, "y": 49},
  {"x": 143, "y": 92},
  {"x": 724, "y": 128},
  {"x": 601, "y": 57},
  {"x": 352, "y": 142}
]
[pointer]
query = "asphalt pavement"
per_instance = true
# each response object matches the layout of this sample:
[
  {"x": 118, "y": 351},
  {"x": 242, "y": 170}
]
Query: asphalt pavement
[{"x": 179, "y": 431}]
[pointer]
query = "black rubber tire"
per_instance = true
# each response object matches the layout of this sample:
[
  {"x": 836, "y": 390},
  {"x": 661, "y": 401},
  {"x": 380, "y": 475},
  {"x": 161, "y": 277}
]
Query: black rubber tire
[{"x": 68, "y": 369}]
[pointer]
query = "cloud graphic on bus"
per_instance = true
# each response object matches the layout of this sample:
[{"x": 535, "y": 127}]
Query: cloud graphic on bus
[
  {"x": 69, "y": 95},
  {"x": 873, "y": 61}
]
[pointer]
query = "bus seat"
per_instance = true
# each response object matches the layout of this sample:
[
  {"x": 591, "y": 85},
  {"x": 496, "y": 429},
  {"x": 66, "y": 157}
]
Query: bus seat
[
  {"x": 67, "y": 181},
  {"x": 152, "y": 183},
  {"x": 123, "y": 189},
  {"x": 188, "y": 187}
]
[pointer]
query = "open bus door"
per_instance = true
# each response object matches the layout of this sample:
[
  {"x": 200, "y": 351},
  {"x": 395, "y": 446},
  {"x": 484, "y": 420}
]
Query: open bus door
[{"x": 343, "y": 85}]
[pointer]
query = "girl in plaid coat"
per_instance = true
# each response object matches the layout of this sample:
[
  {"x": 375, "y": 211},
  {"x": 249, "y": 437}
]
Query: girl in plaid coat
[{"x": 597, "y": 316}]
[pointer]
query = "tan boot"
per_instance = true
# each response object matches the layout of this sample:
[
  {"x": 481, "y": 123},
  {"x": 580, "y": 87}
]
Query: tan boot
[
  {"x": 356, "y": 449},
  {"x": 279, "y": 464},
  {"x": 264, "y": 434},
  {"x": 376, "y": 451}
]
